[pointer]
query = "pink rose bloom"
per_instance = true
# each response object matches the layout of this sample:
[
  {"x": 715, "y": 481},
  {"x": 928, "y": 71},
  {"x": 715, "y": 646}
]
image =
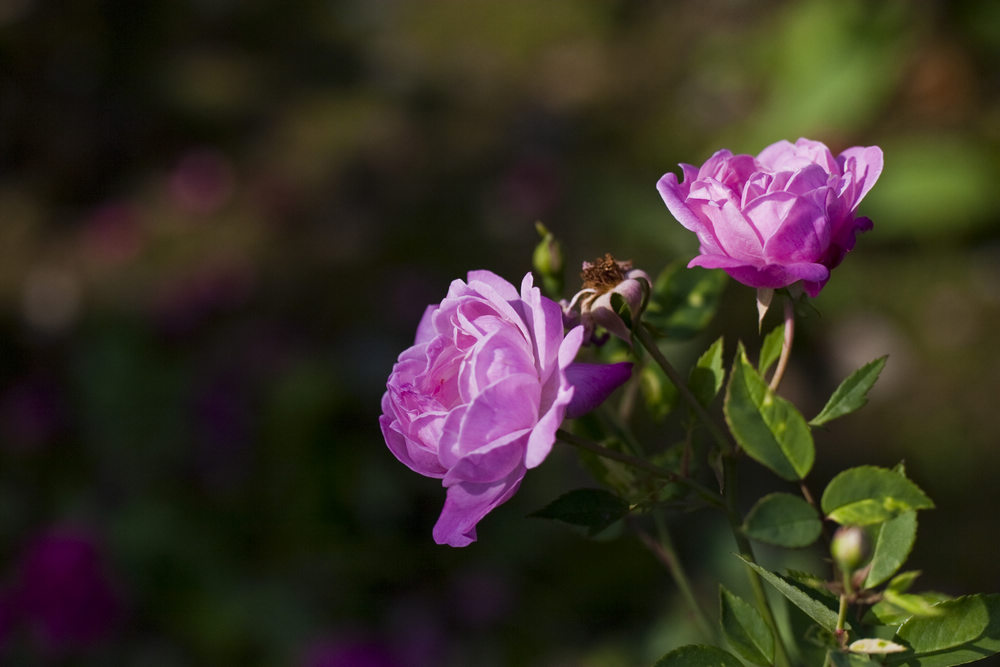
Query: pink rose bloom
[
  {"x": 777, "y": 219},
  {"x": 477, "y": 400}
]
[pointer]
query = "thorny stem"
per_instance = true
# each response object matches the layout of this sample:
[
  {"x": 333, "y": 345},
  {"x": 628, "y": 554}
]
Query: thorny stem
[
  {"x": 786, "y": 345},
  {"x": 649, "y": 343},
  {"x": 709, "y": 496}
]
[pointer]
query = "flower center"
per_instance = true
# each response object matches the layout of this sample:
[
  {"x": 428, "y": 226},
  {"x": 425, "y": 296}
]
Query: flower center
[{"x": 604, "y": 273}]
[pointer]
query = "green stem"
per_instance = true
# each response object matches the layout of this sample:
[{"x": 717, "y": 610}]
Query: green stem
[
  {"x": 746, "y": 550},
  {"x": 648, "y": 342},
  {"x": 840, "y": 633},
  {"x": 709, "y": 496},
  {"x": 808, "y": 496},
  {"x": 666, "y": 553},
  {"x": 786, "y": 345}
]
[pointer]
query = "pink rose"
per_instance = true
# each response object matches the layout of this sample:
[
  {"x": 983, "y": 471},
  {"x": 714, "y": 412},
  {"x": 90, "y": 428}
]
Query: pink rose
[
  {"x": 777, "y": 219},
  {"x": 477, "y": 400}
]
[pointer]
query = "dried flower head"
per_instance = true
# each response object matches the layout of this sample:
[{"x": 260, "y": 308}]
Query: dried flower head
[{"x": 602, "y": 279}]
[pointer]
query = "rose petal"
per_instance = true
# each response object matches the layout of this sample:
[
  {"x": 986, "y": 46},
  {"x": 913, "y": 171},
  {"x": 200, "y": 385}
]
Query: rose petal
[
  {"x": 673, "y": 196},
  {"x": 425, "y": 330},
  {"x": 865, "y": 164},
  {"x": 730, "y": 230},
  {"x": 804, "y": 233},
  {"x": 496, "y": 284},
  {"x": 593, "y": 383},
  {"x": 491, "y": 462},
  {"x": 501, "y": 354},
  {"x": 547, "y": 326},
  {"x": 412, "y": 454},
  {"x": 543, "y": 436},
  {"x": 467, "y": 503},
  {"x": 507, "y": 406},
  {"x": 603, "y": 313},
  {"x": 716, "y": 262},
  {"x": 776, "y": 275}
]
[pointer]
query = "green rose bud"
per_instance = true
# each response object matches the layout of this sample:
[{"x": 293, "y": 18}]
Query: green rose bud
[
  {"x": 850, "y": 548},
  {"x": 547, "y": 260}
]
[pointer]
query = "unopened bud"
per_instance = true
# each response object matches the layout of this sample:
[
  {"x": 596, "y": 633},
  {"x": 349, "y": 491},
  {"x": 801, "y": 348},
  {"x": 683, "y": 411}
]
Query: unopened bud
[
  {"x": 850, "y": 548},
  {"x": 547, "y": 260}
]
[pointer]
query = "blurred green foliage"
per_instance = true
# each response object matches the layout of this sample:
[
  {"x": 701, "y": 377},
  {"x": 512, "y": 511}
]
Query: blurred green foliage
[{"x": 222, "y": 220}]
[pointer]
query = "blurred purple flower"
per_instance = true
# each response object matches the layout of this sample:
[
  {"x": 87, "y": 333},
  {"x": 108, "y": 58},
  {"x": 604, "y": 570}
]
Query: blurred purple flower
[
  {"x": 480, "y": 598},
  {"x": 186, "y": 302},
  {"x": 63, "y": 593},
  {"x": 350, "y": 652},
  {"x": 530, "y": 188},
  {"x": 112, "y": 235},
  {"x": 202, "y": 182},
  {"x": 222, "y": 429},
  {"x": 31, "y": 413},
  {"x": 477, "y": 400},
  {"x": 777, "y": 219}
]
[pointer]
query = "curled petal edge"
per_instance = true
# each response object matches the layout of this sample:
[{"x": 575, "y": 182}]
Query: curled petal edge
[{"x": 593, "y": 383}]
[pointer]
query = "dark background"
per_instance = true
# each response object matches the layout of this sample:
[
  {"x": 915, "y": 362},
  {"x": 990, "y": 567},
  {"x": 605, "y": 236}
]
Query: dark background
[{"x": 220, "y": 222}]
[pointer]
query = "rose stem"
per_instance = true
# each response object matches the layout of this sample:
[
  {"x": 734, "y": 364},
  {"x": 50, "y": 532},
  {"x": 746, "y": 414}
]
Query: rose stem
[
  {"x": 664, "y": 549},
  {"x": 709, "y": 496},
  {"x": 732, "y": 512},
  {"x": 649, "y": 343},
  {"x": 779, "y": 372},
  {"x": 746, "y": 550},
  {"x": 839, "y": 632},
  {"x": 666, "y": 553},
  {"x": 786, "y": 345}
]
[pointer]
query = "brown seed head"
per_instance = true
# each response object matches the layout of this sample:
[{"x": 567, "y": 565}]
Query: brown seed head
[{"x": 604, "y": 273}]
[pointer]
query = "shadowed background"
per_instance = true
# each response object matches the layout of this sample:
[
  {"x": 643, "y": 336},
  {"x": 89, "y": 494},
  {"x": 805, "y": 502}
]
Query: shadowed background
[{"x": 220, "y": 222}]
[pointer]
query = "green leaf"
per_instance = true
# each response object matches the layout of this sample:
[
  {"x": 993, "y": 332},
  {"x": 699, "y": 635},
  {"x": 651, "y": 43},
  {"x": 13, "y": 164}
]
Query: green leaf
[
  {"x": 810, "y": 581},
  {"x": 745, "y": 629},
  {"x": 708, "y": 375},
  {"x": 968, "y": 629},
  {"x": 866, "y": 495},
  {"x": 593, "y": 509},
  {"x": 683, "y": 301},
  {"x": 886, "y": 613},
  {"x": 784, "y": 520},
  {"x": 852, "y": 393},
  {"x": 892, "y": 547},
  {"x": 902, "y": 582},
  {"x": 696, "y": 655},
  {"x": 770, "y": 349},
  {"x": 769, "y": 428},
  {"x": 912, "y": 604},
  {"x": 809, "y": 601}
]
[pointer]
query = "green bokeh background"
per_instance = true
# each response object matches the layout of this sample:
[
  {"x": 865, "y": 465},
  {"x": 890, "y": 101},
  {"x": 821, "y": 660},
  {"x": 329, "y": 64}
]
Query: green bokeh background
[{"x": 220, "y": 222}]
